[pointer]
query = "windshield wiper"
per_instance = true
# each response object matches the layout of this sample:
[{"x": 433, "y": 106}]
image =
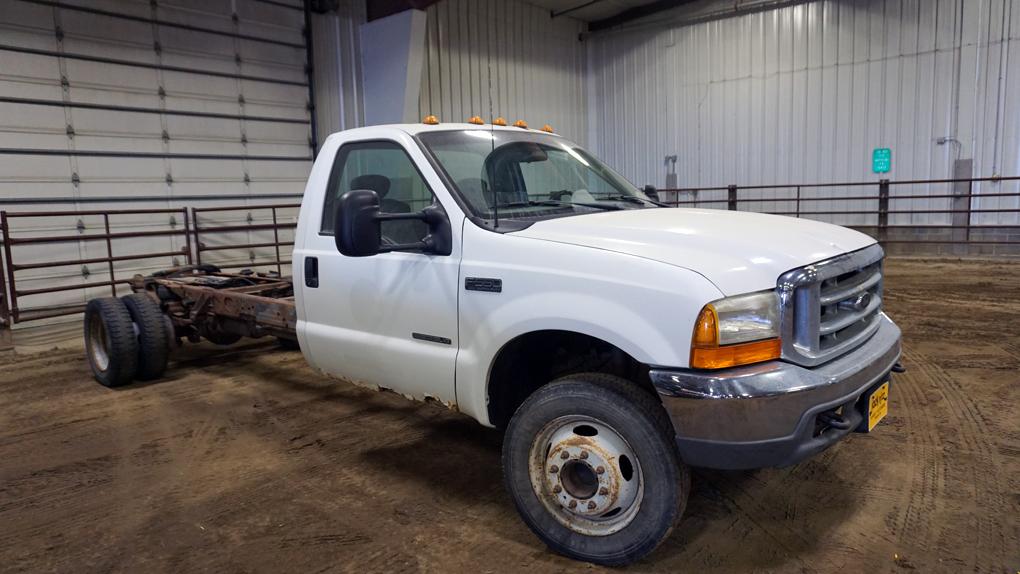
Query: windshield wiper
[
  {"x": 554, "y": 203},
  {"x": 632, "y": 199},
  {"x": 604, "y": 206},
  {"x": 531, "y": 203}
]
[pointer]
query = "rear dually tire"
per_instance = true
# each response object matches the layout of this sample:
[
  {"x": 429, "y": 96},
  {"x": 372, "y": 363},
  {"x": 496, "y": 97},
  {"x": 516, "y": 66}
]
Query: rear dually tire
[
  {"x": 111, "y": 344},
  {"x": 150, "y": 325}
]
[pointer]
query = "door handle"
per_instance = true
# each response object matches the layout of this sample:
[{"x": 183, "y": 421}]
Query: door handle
[{"x": 311, "y": 272}]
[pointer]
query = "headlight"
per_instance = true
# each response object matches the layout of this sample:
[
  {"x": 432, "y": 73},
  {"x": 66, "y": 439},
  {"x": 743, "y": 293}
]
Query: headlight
[{"x": 737, "y": 330}]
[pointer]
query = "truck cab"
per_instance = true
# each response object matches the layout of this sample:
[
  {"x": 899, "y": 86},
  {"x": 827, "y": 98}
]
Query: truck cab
[{"x": 511, "y": 275}]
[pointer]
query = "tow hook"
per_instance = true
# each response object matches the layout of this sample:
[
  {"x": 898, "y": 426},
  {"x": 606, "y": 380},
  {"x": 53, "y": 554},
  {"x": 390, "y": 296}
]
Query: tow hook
[
  {"x": 834, "y": 420},
  {"x": 898, "y": 368}
]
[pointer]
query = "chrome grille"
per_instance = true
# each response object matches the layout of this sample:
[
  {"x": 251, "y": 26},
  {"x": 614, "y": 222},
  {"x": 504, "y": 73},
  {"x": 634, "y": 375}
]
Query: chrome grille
[{"x": 830, "y": 307}]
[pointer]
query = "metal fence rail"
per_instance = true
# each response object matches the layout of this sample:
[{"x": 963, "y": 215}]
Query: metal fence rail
[
  {"x": 203, "y": 237},
  {"x": 275, "y": 227},
  {"x": 962, "y": 211}
]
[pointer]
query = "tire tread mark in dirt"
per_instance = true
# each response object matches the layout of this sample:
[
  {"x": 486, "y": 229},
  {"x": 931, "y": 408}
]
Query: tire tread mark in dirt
[
  {"x": 914, "y": 525},
  {"x": 987, "y": 482}
]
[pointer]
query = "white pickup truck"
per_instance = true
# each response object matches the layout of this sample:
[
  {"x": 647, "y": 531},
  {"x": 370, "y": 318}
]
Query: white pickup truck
[{"x": 511, "y": 275}]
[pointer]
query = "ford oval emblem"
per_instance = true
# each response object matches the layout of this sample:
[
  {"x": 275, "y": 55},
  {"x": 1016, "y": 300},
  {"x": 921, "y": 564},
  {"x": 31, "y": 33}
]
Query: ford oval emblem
[{"x": 861, "y": 302}]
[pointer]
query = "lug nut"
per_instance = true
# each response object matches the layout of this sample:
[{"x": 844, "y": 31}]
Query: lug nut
[
  {"x": 603, "y": 491},
  {"x": 600, "y": 470},
  {"x": 557, "y": 489},
  {"x": 591, "y": 505},
  {"x": 584, "y": 454},
  {"x": 554, "y": 469},
  {"x": 564, "y": 455},
  {"x": 573, "y": 504}
]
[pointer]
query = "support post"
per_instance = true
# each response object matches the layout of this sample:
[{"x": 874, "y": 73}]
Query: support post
[
  {"x": 962, "y": 193},
  {"x": 883, "y": 210},
  {"x": 276, "y": 244},
  {"x": 392, "y": 58},
  {"x": 187, "y": 236},
  {"x": 12, "y": 303},
  {"x": 6, "y": 341},
  {"x": 109, "y": 254},
  {"x": 198, "y": 238},
  {"x": 731, "y": 198},
  {"x": 310, "y": 74}
]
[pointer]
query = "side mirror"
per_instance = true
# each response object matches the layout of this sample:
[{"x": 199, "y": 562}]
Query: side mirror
[
  {"x": 651, "y": 192},
  {"x": 356, "y": 228}
]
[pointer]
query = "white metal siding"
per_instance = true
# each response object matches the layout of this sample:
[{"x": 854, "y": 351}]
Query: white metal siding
[
  {"x": 533, "y": 66},
  {"x": 336, "y": 39},
  {"x": 63, "y": 32},
  {"x": 804, "y": 93},
  {"x": 538, "y": 66}
]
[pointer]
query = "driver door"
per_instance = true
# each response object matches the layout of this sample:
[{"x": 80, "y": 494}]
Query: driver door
[{"x": 389, "y": 319}]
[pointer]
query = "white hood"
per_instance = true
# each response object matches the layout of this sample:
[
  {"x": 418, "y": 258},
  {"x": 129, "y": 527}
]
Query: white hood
[{"x": 737, "y": 251}]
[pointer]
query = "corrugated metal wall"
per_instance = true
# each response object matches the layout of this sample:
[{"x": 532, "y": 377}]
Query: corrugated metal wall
[
  {"x": 804, "y": 93},
  {"x": 537, "y": 65},
  {"x": 114, "y": 104},
  {"x": 336, "y": 44}
]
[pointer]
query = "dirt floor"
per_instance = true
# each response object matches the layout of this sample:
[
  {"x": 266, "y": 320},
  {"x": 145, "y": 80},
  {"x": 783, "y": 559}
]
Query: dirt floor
[{"x": 244, "y": 459}]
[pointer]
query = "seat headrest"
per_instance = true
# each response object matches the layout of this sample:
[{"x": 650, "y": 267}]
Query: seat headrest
[{"x": 377, "y": 183}]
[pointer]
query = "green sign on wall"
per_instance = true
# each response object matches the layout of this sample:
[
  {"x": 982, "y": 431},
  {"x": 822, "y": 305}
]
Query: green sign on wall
[{"x": 881, "y": 160}]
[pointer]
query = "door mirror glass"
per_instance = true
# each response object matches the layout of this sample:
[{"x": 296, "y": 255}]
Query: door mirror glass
[{"x": 358, "y": 231}]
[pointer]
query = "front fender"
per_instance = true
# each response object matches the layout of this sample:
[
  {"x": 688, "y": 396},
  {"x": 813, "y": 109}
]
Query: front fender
[{"x": 645, "y": 308}]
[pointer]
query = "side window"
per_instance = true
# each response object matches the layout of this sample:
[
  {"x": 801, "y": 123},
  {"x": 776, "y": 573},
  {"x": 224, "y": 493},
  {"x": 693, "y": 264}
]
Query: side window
[{"x": 385, "y": 168}]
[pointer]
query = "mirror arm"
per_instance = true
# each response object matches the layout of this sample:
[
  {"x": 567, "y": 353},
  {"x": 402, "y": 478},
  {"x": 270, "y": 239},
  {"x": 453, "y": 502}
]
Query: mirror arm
[
  {"x": 425, "y": 246},
  {"x": 400, "y": 216}
]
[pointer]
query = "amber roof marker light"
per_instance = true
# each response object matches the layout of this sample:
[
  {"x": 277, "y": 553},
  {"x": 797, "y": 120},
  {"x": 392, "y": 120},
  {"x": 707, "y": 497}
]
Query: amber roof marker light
[
  {"x": 477, "y": 120},
  {"x": 500, "y": 121},
  {"x": 547, "y": 128},
  {"x": 430, "y": 120},
  {"x": 521, "y": 124}
]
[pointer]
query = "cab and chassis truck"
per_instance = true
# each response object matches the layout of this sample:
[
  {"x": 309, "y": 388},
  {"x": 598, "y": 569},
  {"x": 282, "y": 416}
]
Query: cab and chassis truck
[{"x": 512, "y": 276}]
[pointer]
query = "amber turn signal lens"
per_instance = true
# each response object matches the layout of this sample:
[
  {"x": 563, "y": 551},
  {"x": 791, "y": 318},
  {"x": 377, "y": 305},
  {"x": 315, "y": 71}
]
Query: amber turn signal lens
[
  {"x": 500, "y": 121},
  {"x": 431, "y": 120},
  {"x": 706, "y": 330},
  {"x": 735, "y": 355},
  {"x": 477, "y": 120},
  {"x": 521, "y": 124}
]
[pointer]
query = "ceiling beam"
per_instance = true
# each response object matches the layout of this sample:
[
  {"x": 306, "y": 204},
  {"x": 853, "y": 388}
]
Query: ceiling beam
[
  {"x": 634, "y": 13},
  {"x": 376, "y": 9},
  {"x": 555, "y": 14}
]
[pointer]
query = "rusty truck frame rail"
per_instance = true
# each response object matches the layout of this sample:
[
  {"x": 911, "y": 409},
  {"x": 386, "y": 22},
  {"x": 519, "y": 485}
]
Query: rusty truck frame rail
[{"x": 201, "y": 301}]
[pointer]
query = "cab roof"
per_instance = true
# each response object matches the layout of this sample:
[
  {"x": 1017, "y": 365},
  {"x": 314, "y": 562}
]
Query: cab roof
[{"x": 417, "y": 128}]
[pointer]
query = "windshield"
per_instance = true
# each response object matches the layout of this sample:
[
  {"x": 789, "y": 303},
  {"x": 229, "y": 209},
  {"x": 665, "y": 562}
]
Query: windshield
[{"x": 527, "y": 175}]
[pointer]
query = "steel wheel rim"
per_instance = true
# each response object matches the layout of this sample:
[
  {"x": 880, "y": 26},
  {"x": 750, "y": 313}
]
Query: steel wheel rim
[
  {"x": 99, "y": 345},
  {"x": 586, "y": 475}
]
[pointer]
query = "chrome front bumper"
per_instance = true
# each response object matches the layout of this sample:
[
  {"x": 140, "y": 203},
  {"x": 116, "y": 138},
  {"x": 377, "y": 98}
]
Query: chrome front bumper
[{"x": 767, "y": 414}]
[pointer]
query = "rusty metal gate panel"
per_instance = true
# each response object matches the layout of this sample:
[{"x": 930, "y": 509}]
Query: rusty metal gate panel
[{"x": 117, "y": 247}]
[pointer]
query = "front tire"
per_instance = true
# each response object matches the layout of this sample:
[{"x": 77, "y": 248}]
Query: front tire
[{"x": 591, "y": 465}]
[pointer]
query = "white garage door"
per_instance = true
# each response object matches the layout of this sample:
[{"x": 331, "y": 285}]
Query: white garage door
[{"x": 120, "y": 104}]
